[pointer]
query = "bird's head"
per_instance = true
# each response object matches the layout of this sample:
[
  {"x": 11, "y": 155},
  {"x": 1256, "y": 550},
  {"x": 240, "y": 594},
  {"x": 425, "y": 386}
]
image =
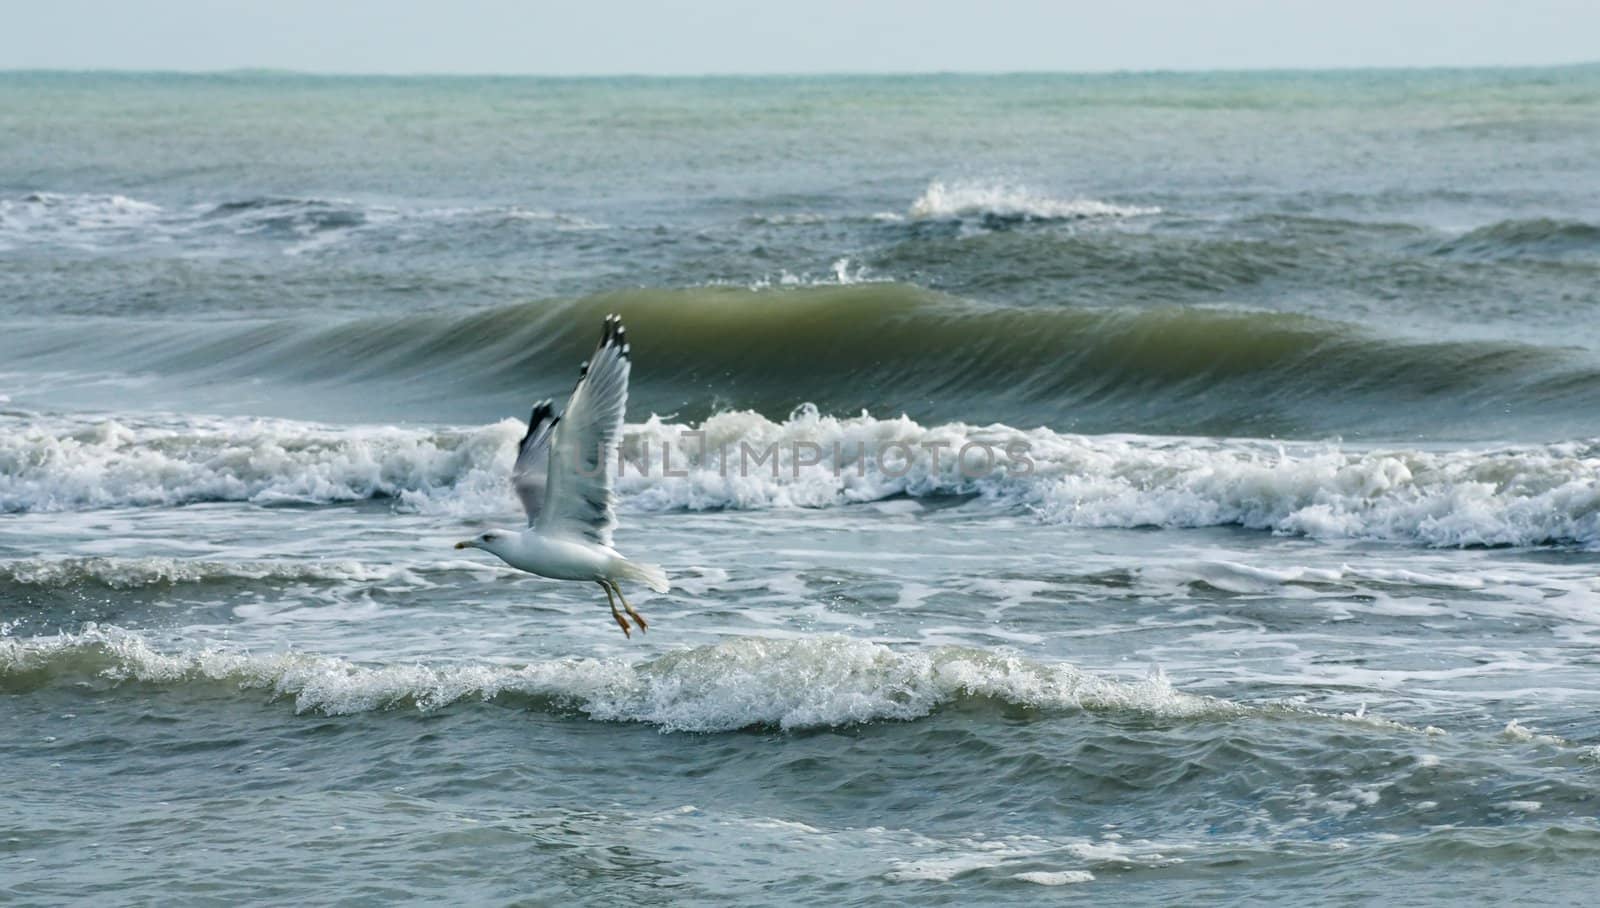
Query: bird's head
[{"x": 489, "y": 540}]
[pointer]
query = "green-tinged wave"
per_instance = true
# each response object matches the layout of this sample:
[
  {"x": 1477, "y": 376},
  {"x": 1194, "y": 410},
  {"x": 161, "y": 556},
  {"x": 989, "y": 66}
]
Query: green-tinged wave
[{"x": 891, "y": 347}]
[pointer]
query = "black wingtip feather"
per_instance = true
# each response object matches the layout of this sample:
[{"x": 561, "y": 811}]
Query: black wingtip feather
[
  {"x": 613, "y": 334},
  {"x": 542, "y": 411}
]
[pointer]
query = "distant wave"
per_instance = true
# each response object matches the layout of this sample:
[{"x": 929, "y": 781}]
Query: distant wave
[
  {"x": 300, "y": 216},
  {"x": 1535, "y": 238},
  {"x": 92, "y": 221},
  {"x": 72, "y": 219},
  {"x": 1525, "y": 495},
  {"x": 296, "y": 215},
  {"x": 97, "y": 220},
  {"x": 841, "y": 273},
  {"x": 996, "y": 201}
]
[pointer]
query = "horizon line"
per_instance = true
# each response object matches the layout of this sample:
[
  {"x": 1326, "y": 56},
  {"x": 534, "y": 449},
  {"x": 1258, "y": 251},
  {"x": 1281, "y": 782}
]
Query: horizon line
[{"x": 836, "y": 74}]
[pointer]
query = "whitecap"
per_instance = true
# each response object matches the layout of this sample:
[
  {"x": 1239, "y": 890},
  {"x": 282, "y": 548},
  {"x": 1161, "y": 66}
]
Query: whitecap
[
  {"x": 1523, "y": 495},
  {"x": 1054, "y": 877},
  {"x": 1005, "y": 201},
  {"x": 809, "y": 682}
]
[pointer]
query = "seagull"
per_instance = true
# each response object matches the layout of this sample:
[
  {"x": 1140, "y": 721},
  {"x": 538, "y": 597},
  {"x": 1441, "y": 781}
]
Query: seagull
[{"x": 561, "y": 477}]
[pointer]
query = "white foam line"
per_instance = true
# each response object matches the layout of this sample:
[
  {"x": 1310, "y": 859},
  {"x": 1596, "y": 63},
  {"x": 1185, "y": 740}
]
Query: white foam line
[{"x": 1527, "y": 495}]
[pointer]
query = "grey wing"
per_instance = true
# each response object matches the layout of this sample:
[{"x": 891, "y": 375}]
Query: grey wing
[
  {"x": 532, "y": 469},
  {"x": 578, "y": 503}
]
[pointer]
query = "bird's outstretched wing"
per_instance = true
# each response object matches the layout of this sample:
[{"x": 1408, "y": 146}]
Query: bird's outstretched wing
[
  {"x": 533, "y": 460},
  {"x": 577, "y": 502}
]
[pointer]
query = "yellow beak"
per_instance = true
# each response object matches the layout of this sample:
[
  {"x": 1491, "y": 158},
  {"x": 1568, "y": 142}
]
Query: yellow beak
[{"x": 464, "y": 544}]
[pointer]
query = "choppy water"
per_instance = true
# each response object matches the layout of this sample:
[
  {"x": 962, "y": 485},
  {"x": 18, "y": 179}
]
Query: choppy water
[{"x": 1283, "y": 586}]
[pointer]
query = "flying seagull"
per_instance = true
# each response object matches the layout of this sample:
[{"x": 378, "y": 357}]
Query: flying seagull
[{"x": 561, "y": 477}]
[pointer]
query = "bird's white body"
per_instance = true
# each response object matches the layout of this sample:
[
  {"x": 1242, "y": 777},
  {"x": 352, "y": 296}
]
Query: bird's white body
[
  {"x": 558, "y": 559},
  {"x": 561, "y": 559},
  {"x": 565, "y": 489}
]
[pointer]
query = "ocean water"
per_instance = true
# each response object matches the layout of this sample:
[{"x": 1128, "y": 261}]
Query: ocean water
[{"x": 1281, "y": 583}]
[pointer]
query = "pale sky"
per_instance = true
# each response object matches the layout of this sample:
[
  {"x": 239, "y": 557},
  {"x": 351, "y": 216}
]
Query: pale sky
[{"x": 587, "y": 37}]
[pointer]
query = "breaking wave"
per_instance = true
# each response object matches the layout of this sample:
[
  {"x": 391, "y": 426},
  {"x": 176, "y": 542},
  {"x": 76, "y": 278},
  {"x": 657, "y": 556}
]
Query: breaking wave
[
  {"x": 1515, "y": 496},
  {"x": 81, "y": 219},
  {"x": 1520, "y": 496},
  {"x": 158, "y": 571},
  {"x": 1002, "y": 202},
  {"x": 740, "y": 683},
  {"x": 79, "y": 464}
]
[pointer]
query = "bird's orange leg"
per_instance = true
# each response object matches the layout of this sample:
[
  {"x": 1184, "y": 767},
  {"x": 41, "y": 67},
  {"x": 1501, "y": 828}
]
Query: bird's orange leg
[
  {"x": 643, "y": 624},
  {"x": 621, "y": 621}
]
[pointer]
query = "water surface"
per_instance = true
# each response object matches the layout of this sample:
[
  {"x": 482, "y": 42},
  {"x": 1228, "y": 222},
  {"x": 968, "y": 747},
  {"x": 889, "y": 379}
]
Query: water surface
[{"x": 1289, "y": 592}]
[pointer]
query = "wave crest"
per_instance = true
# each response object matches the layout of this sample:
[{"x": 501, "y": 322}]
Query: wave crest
[
  {"x": 888, "y": 347},
  {"x": 1538, "y": 238},
  {"x": 75, "y": 218},
  {"x": 739, "y": 459},
  {"x": 1007, "y": 202},
  {"x": 1516, "y": 496},
  {"x": 76, "y": 464},
  {"x": 741, "y": 683},
  {"x": 137, "y": 573},
  {"x": 93, "y": 221}
]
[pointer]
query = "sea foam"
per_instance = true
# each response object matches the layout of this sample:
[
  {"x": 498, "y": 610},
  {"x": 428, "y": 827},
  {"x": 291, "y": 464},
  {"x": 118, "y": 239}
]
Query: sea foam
[
  {"x": 1510, "y": 496},
  {"x": 75, "y": 464},
  {"x": 1003, "y": 201},
  {"x": 739, "y": 683},
  {"x": 1521, "y": 495},
  {"x": 93, "y": 221},
  {"x": 161, "y": 571},
  {"x": 81, "y": 220}
]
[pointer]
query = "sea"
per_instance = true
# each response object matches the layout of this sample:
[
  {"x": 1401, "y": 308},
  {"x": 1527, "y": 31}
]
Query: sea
[{"x": 1261, "y": 564}]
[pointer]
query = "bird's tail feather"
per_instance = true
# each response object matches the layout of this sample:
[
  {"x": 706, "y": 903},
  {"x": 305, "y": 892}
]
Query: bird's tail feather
[{"x": 650, "y": 575}]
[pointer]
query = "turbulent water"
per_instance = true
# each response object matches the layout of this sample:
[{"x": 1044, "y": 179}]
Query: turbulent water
[{"x": 1261, "y": 563}]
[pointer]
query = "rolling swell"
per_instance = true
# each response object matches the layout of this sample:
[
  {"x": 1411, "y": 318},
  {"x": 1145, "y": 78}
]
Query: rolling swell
[{"x": 890, "y": 348}]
